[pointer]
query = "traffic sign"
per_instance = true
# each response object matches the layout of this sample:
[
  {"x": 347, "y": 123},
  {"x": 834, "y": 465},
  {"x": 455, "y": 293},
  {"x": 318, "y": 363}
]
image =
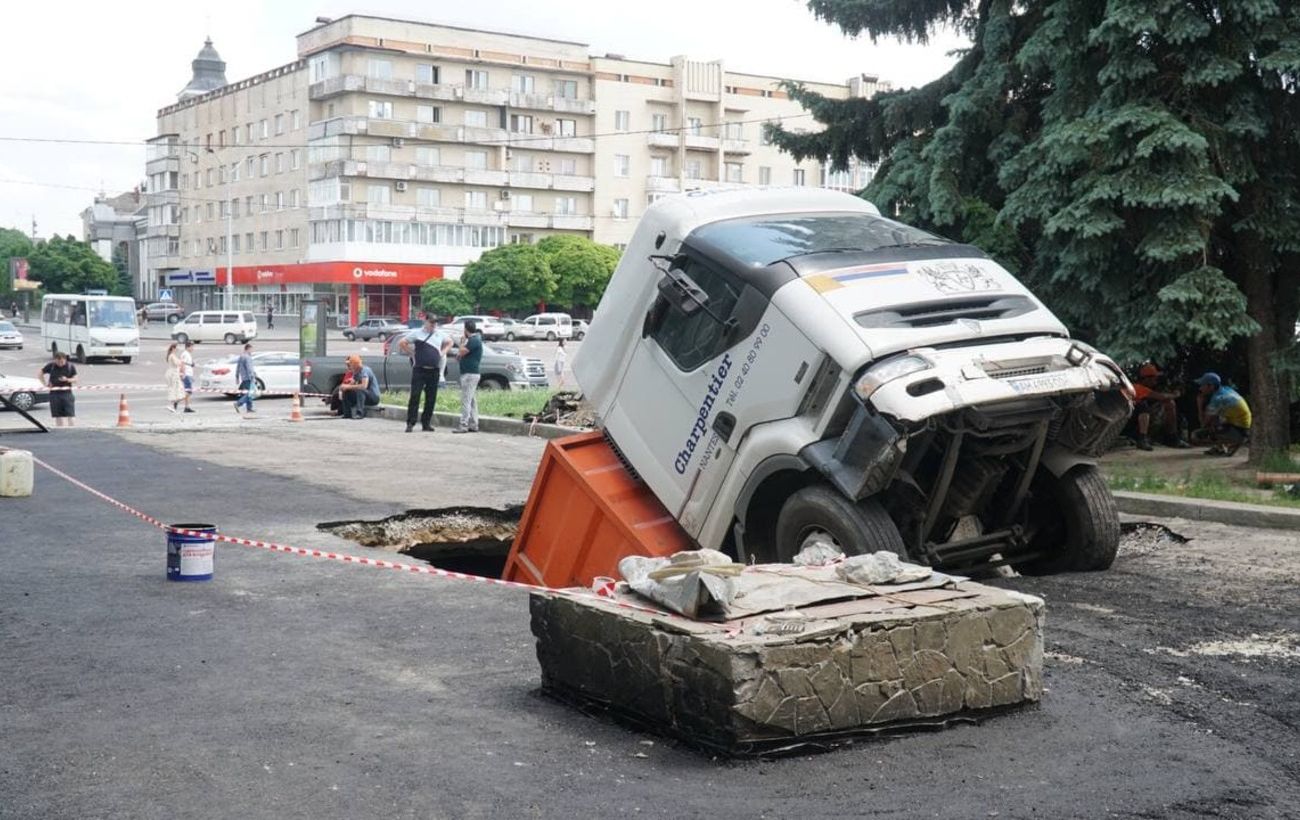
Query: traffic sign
[{"x": 165, "y": 295}]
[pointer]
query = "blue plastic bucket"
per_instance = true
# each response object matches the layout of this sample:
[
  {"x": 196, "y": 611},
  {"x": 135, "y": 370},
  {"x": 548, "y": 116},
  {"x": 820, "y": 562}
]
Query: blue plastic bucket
[{"x": 190, "y": 557}]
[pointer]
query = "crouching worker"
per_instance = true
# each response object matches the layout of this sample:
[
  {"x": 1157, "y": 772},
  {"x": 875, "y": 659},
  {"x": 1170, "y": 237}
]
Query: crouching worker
[
  {"x": 1155, "y": 412},
  {"x": 1225, "y": 417},
  {"x": 361, "y": 392}
]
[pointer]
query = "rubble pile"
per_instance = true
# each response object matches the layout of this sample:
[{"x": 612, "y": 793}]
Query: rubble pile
[{"x": 566, "y": 408}]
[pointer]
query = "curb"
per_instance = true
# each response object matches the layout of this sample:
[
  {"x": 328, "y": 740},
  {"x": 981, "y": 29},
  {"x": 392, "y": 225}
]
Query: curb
[
  {"x": 487, "y": 424},
  {"x": 1202, "y": 509}
]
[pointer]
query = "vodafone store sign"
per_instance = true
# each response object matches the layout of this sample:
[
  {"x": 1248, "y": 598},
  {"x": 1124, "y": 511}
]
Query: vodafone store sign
[{"x": 336, "y": 273}]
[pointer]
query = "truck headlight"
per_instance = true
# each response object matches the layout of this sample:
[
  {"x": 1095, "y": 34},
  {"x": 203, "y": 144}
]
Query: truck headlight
[
  {"x": 877, "y": 376},
  {"x": 512, "y": 367}
]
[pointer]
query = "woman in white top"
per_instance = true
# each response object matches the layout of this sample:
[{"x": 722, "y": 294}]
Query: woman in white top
[
  {"x": 560, "y": 357},
  {"x": 175, "y": 390}
]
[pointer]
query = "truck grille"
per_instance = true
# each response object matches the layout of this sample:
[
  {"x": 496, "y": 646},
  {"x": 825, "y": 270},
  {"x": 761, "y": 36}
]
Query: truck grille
[
  {"x": 534, "y": 368},
  {"x": 946, "y": 312},
  {"x": 1017, "y": 372}
]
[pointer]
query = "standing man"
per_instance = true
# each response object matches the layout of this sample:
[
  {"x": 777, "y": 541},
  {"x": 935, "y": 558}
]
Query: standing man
[
  {"x": 469, "y": 356},
  {"x": 1225, "y": 417},
  {"x": 61, "y": 373},
  {"x": 426, "y": 347},
  {"x": 246, "y": 375},
  {"x": 187, "y": 374},
  {"x": 270, "y": 317}
]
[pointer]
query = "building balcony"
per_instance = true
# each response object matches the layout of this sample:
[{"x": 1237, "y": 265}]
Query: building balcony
[
  {"x": 564, "y": 182},
  {"x": 478, "y": 176},
  {"x": 482, "y": 217},
  {"x": 572, "y": 105},
  {"x": 710, "y": 185},
  {"x": 166, "y": 229},
  {"x": 526, "y": 179},
  {"x": 662, "y": 185},
  {"x": 495, "y": 136},
  {"x": 171, "y": 196},
  {"x": 702, "y": 143},
  {"x": 438, "y": 173},
  {"x": 163, "y": 164},
  {"x": 572, "y": 222},
  {"x": 527, "y": 219},
  {"x": 736, "y": 147},
  {"x": 549, "y": 102},
  {"x": 656, "y": 139},
  {"x": 333, "y": 86},
  {"x": 486, "y": 96}
]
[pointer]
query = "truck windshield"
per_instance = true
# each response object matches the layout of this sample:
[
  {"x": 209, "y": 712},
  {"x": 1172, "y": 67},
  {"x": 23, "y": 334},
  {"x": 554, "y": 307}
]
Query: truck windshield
[
  {"x": 760, "y": 241},
  {"x": 112, "y": 314}
]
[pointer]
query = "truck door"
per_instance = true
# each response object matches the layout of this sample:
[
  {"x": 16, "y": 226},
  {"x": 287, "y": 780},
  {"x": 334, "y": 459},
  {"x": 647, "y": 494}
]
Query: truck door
[{"x": 677, "y": 419}]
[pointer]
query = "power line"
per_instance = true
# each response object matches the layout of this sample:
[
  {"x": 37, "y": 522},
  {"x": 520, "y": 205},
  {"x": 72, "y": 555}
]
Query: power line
[{"x": 510, "y": 141}]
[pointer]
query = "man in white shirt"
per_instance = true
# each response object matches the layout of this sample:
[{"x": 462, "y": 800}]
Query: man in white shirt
[
  {"x": 187, "y": 374},
  {"x": 427, "y": 348}
]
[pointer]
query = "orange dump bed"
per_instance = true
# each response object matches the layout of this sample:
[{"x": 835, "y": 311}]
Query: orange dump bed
[{"x": 584, "y": 513}]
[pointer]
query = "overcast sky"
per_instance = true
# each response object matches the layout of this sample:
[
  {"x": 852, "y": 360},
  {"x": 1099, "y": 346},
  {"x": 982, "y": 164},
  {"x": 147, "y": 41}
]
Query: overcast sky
[{"x": 101, "y": 70}]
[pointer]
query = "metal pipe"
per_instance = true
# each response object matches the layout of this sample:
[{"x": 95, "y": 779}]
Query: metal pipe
[
  {"x": 1031, "y": 467},
  {"x": 940, "y": 490}
]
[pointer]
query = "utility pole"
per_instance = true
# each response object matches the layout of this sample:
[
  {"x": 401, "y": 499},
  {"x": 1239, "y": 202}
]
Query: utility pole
[{"x": 230, "y": 243}]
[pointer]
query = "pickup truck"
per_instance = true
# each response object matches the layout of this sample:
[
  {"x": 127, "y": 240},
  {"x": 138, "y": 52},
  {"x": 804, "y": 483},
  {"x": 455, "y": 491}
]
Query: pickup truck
[{"x": 502, "y": 369}]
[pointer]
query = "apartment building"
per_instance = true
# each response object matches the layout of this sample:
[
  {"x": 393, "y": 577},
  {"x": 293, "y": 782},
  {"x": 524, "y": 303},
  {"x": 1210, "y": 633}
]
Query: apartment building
[{"x": 395, "y": 151}]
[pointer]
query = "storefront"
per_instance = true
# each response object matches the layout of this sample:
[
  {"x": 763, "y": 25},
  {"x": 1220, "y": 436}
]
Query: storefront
[{"x": 354, "y": 290}]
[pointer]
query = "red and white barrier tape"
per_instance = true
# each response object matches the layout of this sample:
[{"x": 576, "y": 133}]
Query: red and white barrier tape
[
  {"x": 304, "y": 552},
  {"x": 123, "y": 388}
]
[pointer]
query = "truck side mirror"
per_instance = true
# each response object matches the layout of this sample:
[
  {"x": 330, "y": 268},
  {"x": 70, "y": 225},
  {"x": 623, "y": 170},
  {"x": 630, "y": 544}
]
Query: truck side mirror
[{"x": 681, "y": 293}]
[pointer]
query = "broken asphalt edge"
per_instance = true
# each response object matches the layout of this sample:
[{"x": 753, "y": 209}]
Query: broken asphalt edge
[
  {"x": 486, "y": 424},
  {"x": 1204, "y": 509}
]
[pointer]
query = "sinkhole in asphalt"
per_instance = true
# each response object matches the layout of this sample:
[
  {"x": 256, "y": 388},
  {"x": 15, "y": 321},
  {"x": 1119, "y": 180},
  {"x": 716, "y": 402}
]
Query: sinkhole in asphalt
[
  {"x": 473, "y": 540},
  {"x": 1143, "y": 537}
]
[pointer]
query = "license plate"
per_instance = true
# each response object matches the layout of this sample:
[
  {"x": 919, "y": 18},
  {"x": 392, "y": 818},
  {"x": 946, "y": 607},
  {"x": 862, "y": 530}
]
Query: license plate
[{"x": 115, "y": 351}]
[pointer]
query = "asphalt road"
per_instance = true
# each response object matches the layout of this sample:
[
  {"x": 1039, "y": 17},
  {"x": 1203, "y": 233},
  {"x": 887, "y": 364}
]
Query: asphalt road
[
  {"x": 100, "y": 408},
  {"x": 290, "y": 687}
]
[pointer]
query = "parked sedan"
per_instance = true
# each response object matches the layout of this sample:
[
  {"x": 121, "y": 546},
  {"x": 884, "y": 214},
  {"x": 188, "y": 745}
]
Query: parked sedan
[
  {"x": 168, "y": 312},
  {"x": 10, "y": 336},
  {"x": 277, "y": 372},
  {"x": 23, "y": 392},
  {"x": 489, "y": 326},
  {"x": 374, "y": 329}
]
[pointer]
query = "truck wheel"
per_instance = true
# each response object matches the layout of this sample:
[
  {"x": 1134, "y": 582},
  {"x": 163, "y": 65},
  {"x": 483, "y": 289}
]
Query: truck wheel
[
  {"x": 1080, "y": 531},
  {"x": 230, "y": 339},
  {"x": 492, "y": 383},
  {"x": 819, "y": 513}
]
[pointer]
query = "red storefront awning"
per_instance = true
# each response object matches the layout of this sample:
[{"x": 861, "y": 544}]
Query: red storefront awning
[{"x": 333, "y": 273}]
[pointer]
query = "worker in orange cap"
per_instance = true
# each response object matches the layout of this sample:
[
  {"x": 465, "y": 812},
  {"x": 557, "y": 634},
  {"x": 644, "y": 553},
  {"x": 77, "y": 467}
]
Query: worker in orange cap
[{"x": 1155, "y": 407}]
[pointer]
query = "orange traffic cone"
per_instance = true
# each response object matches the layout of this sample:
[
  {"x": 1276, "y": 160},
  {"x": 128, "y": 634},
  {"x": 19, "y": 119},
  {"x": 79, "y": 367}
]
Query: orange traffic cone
[
  {"x": 295, "y": 412},
  {"x": 123, "y": 412}
]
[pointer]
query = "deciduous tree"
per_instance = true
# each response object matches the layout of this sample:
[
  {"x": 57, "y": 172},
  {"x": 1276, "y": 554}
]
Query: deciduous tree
[
  {"x": 510, "y": 278},
  {"x": 68, "y": 265},
  {"x": 446, "y": 297},
  {"x": 582, "y": 268}
]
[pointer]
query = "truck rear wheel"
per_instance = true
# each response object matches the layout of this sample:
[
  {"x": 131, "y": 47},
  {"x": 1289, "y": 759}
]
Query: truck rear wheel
[
  {"x": 1080, "y": 524},
  {"x": 820, "y": 513}
]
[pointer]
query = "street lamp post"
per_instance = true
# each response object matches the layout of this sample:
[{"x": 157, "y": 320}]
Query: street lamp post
[{"x": 230, "y": 243}]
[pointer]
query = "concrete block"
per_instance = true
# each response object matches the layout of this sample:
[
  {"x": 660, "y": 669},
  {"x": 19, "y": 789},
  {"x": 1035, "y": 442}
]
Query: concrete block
[
  {"x": 16, "y": 473},
  {"x": 857, "y": 667}
]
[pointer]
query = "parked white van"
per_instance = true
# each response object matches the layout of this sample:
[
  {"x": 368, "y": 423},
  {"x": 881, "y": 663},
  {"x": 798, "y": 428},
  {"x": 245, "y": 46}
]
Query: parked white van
[
  {"x": 229, "y": 326},
  {"x": 548, "y": 326}
]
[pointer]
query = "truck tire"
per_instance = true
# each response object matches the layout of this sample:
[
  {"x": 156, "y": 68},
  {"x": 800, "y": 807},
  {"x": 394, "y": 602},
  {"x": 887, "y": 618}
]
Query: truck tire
[
  {"x": 1082, "y": 524},
  {"x": 230, "y": 339},
  {"x": 818, "y": 511},
  {"x": 492, "y": 383}
]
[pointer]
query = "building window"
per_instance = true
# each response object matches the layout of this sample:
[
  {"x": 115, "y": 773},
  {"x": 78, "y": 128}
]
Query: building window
[
  {"x": 293, "y": 198},
  {"x": 221, "y": 175},
  {"x": 426, "y": 74},
  {"x": 659, "y": 123},
  {"x": 567, "y": 89},
  {"x": 522, "y": 163},
  {"x": 293, "y": 237},
  {"x": 381, "y": 110},
  {"x": 235, "y": 243},
  {"x": 234, "y": 208},
  {"x": 428, "y": 113},
  {"x": 378, "y": 153},
  {"x": 734, "y": 131},
  {"x": 566, "y": 128},
  {"x": 379, "y": 194},
  {"x": 279, "y": 200},
  {"x": 248, "y": 133},
  {"x": 263, "y": 164},
  {"x": 295, "y": 159},
  {"x": 264, "y": 129},
  {"x": 476, "y": 79},
  {"x": 475, "y": 118},
  {"x": 764, "y": 175},
  {"x": 476, "y": 160},
  {"x": 659, "y": 166},
  {"x": 694, "y": 126},
  {"x": 566, "y": 205},
  {"x": 522, "y": 83},
  {"x": 694, "y": 169},
  {"x": 279, "y": 162},
  {"x": 522, "y": 202},
  {"x": 295, "y": 119},
  {"x": 379, "y": 69},
  {"x": 212, "y": 210},
  {"x": 236, "y": 136},
  {"x": 476, "y": 200},
  {"x": 521, "y": 124},
  {"x": 734, "y": 172},
  {"x": 763, "y": 137},
  {"x": 322, "y": 68},
  {"x": 521, "y": 239},
  {"x": 248, "y": 242},
  {"x": 225, "y": 209},
  {"x": 568, "y": 166},
  {"x": 622, "y": 165},
  {"x": 252, "y": 166},
  {"x": 279, "y": 124},
  {"x": 279, "y": 240},
  {"x": 234, "y": 172},
  {"x": 622, "y": 120},
  {"x": 210, "y": 178},
  {"x": 428, "y": 197},
  {"x": 799, "y": 176},
  {"x": 264, "y": 202},
  {"x": 248, "y": 205},
  {"x": 620, "y": 209},
  {"x": 427, "y": 155},
  {"x": 262, "y": 238}
]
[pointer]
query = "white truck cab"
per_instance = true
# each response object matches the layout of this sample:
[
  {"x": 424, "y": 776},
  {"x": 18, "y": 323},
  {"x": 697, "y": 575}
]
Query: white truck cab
[{"x": 785, "y": 365}]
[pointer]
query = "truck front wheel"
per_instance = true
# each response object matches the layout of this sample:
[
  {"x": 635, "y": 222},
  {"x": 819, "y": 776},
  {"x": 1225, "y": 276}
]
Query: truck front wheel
[
  {"x": 819, "y": 513},
  {"x": 1078, "y": 523}
]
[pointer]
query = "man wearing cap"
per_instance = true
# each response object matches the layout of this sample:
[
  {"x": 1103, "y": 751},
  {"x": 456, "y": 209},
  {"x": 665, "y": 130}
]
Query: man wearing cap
[
  {"x": 1155, "y": 407},
  {"x": 427, "y": 348},
  {"x": 1225, "y": 416}
]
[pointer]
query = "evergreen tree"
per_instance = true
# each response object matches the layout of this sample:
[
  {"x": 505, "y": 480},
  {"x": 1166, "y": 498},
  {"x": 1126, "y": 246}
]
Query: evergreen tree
[{"x": 1137, "y": 162}]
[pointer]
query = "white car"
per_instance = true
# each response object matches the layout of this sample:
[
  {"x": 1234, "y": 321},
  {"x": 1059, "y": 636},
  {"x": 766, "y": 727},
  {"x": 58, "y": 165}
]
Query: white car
[
  {"x": 10, "y": 336},
  {"x": 277, "y": 372},
  {"x": 490, "y": 327},
  {"x": 23, "y": 392}
]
